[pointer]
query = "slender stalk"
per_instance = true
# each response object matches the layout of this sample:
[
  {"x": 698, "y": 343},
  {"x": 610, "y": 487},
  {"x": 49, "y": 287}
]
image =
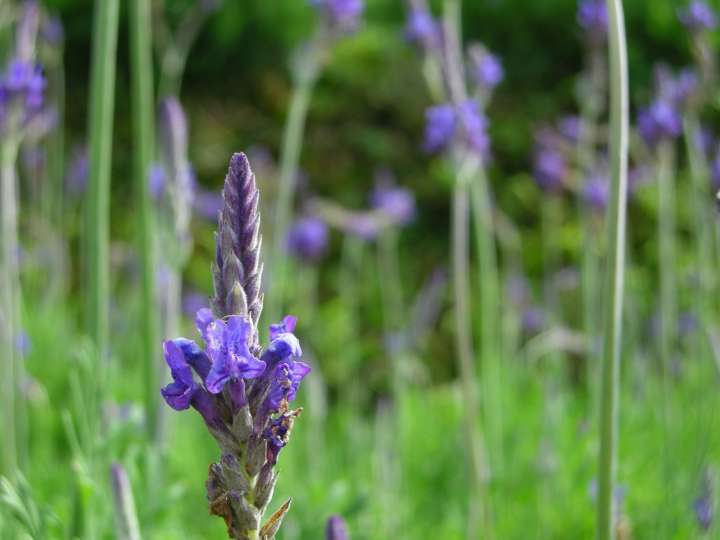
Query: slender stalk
[
  {"x": 490, "y": 316},
  {"x": 701, "y": 205},
  {"x": 143, "y": 134},
  {"x": 392, "y": 302},
  {"x": 666, "y": 255},
  {"x": 619, "y": 132},
  {"x": 9, "y": 308},
  {"x": 292, "y": 143},
  {"x": 102, "y": 100},
  {"x": 478, "y": 512}
]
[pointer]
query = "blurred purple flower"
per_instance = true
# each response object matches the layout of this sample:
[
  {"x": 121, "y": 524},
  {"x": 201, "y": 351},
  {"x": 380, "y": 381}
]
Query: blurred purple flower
[
  {"x": 336, "y": 529},
  {"x": 687, "y": 324},
  {"x": 52, "y": 30},
  {"x": 395, "y": 202},
  {"x": 704, "y": 512},
  {"x": 485, "y": 68},
  {"x": 77, "y": 172},
  {"x": 533, "y": 320},
  {"x": 18, "y": 75},
  {"x": 549, "y": 169},
  {"x": 592, "y": 17},
  {"x": 698, "y": 16},
  {"x": 207, "y": 203},
  {"x": 660, "y": 121},
  {"x": 157, "y": 179},
  {"x": 308, "y": 239},
  {"x": 193, "y": 302},
  {"x": 596, "y": 192},
  {"x": 475, "y": 124},
  {"x": 440, "y": 124},
  {"x": 570, "y": 127},
  {"x": 341, "y": 14},
  {"x": 23, "y": 343},
  {"x": 422, "y": 29}
]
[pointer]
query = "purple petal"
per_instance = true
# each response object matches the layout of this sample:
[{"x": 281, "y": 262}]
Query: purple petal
[
  {"x": 194, "y": 356},
  {"x": 203, "y": 318},
  {"x": 177, "y": 395},
  {"x": 179, "y": 367}
]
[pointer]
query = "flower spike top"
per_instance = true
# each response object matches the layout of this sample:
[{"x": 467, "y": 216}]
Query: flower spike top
[
  {"x": 237, "y": 273},
  {"x": 242, "y": 390}
]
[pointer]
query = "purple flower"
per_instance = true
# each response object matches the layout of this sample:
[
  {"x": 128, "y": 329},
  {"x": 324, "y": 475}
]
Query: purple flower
[
  {"x": 397, "y": 203},
  {"x": 341, "y": 14},
  {"x": 77, "y": 173},
  {"x": 193, "y": 302},
  {"x": 570, "y": 127},
  {"x": 658, "y": 122},
  {"x": 698, "y": 16},
  {"x": 286, "y": 371},
  {"x": 227, "y": 347},
  {"x": 18, "y": 75},
  {"x": 180, "y": 392},
  {"x": 550, "y": 169},
  {"x": 156, "y": 180},
  {"x": 207, "y": 203},
  {"x": 336, "y": 529},
  {"x": 475, "y": 124},
  {"x": 52, "y": 30},
  {"x": 23, "y": 343},
  {"x": 277, "y": 433},
  {"x": 422, "y": 29},
  {"x": 704, "y": 512},
  {"x": 684, "y": 86},
  {"x": 596, "y": 192},
  {"x": 440, "y": 124},
  {"x": 308, "y": 239},
  {"x": 485, "y": 68},
  {"x": 592, "y": 17},
  {"x": 35, "y": 90},
  {"x": 533, "y": 320}
]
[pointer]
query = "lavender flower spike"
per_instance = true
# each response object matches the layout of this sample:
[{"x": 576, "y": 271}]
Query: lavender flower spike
[
  {"x": 242, "y": 391},
  {"x": 698, "y": 16},
  {"x": 336, "y": 529},
  {"x": 237, "y": 273}
]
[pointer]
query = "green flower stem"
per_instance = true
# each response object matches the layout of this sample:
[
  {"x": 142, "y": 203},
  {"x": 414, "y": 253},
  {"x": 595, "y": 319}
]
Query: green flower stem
[
  {"x": 702, "y": 207},
  {"x": 392, "y": 303},
  {"x": 102, "y": 100},
  {"x": 667, "y": 251},
  {"x": 292, "y": 144},
  {"x": 9, "y": 309},
  {"x": 463, "y": 341},
  {"x": 490, "y": 313},
  {"x": 619, "y": 133},
  {"x": 144, "y": 135}
]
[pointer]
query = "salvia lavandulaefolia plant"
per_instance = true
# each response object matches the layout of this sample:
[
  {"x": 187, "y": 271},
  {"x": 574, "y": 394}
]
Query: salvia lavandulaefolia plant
[
  {"x": 698, "y": 84},
  {"x": 307, "y": 239},
  {"x": 659, "y": 125},
  {"x": 457, "y": 126},
  {"x": 336, "y": 18},
  {"x": 22, "y": 89},
  {"x": 242, "y": 390},
  {"x": 171, "y": 182}
]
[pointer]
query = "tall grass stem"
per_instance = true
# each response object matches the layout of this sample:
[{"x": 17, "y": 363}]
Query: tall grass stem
[
  {"x": 292, "y": 144},
  {"x": 102, "y": 101},
  {"x": 144, "y": 135},
  {"x": 618, "y": 144}
]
